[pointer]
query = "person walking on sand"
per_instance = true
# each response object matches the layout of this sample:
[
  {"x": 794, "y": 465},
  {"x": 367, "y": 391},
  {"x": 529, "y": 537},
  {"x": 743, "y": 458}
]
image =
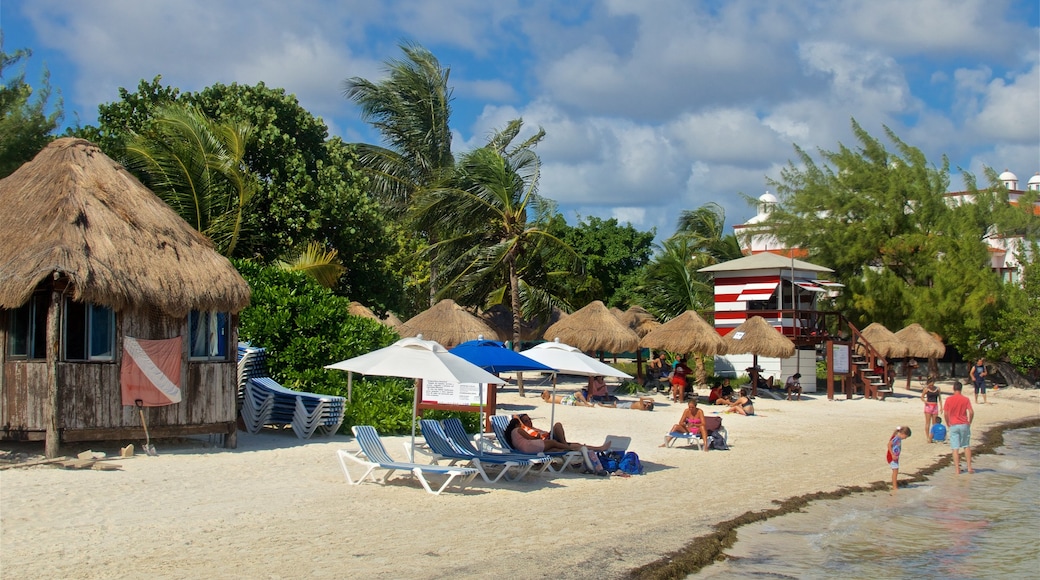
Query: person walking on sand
[
  {"x": 932, "y": 398},
  {"x": 895, "y": 447},
  {"x": 978, "y": 378},
  {"x": 959, "y": 415}
]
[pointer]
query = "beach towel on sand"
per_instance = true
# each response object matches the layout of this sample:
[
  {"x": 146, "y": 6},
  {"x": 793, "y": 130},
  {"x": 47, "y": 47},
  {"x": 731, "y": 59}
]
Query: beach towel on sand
[{"x": 151, "y": 372}]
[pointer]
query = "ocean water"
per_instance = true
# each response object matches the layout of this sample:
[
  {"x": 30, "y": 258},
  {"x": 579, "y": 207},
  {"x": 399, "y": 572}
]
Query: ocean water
[{"x": 985, "y": 525}]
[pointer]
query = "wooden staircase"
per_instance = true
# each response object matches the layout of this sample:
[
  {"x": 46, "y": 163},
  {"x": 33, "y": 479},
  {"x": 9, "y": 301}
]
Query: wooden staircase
[{"x": 868, "y": 366}]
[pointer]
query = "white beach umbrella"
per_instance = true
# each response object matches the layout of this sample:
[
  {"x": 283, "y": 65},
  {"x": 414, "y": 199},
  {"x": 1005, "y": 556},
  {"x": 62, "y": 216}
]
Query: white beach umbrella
[
  {"x": 415, "y": 358},
  {"x": 569, "y": 360}
]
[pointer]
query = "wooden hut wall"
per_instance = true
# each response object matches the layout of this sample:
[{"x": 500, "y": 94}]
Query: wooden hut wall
[{"x": 90, "y": 399}]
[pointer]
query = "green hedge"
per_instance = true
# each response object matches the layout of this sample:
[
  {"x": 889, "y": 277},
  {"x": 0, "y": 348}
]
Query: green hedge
[{"x": 303, "y": 327}]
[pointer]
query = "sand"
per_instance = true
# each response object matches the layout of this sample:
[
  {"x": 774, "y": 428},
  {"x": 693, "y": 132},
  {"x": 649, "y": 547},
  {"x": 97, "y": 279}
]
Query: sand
[{"x": 279, "y": 507}]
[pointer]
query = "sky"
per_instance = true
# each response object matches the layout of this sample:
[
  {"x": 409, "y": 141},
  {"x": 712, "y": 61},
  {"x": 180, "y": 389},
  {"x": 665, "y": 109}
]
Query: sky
[{"x": 650, "y": 107}]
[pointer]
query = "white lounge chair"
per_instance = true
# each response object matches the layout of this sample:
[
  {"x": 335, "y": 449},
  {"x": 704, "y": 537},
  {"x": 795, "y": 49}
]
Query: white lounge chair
[{"x": 376, "y": 457}]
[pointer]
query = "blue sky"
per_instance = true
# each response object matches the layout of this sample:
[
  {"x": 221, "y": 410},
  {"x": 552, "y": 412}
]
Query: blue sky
[{"x": 650, "y": 106}]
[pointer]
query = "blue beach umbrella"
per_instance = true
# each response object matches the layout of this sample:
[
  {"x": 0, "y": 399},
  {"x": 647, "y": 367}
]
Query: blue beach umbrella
[{"x": 494, "y": 357}]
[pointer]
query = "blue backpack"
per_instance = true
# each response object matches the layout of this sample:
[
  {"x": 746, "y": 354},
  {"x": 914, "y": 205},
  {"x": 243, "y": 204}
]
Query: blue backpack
[{"x": 630, "y": 464}]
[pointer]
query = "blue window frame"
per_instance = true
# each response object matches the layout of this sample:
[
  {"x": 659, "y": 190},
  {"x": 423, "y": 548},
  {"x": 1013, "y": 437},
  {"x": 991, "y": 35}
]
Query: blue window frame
[
  {"x": 89, "y": 332},
  {"x": 208, "y": 333}
]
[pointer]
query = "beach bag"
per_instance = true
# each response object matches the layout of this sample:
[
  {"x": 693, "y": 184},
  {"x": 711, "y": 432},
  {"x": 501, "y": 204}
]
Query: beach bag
[
  {"x": 717, "y": 440},
  {"x": 630, "y": 464},
  {"x": 609, "y": 460}
]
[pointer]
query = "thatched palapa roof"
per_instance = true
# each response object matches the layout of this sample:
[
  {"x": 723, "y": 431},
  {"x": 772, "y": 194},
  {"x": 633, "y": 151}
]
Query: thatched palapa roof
[
  {"x": 594, "y": 328},
  {"x": 640, "y": 320},
  {"x": 447, "y": 323},
  {"x": 359, "y": 309},
  {"x": 686, "y": 333},
  {"x": 883, "y": 340},
  {"x": 74, "y": 211},
  {"x": 758, "y": 337},
  {"x": 920, "y": 343}
]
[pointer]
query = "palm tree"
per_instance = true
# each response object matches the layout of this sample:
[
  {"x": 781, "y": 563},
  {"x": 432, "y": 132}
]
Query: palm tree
[
  {"x": 673, "y": 284},
  {"x": 495, "y": 218},
  {"x": 410, "y": 108},
  {"x": 197, "y": 167}
]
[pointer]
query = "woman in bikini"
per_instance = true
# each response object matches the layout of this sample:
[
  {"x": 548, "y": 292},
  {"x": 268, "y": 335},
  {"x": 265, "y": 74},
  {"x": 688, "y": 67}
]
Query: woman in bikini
[
  {"x": 692, "y": 418},
  {"x": 932, "y": 397},
  {"x": 743, "y": 405},
  {"x": 526, "y": 438}
]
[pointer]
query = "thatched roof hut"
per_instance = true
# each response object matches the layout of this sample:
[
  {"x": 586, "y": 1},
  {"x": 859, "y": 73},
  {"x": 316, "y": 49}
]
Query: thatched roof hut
[
  {"x": 883, "y": 341},
  {"x": 447, "y": 323},
  {"x": 94, "y": 257},
  {"x": 359, "y": 309},
  {"x": 920, "y": 343},
  {"x": 640, "y": 320},
  {"x": 74, "y": 211},
  {"x": 594, "y": 328},
  {"x": 685, "y": 334}
]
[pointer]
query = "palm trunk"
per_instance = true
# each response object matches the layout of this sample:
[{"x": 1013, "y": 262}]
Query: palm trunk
[
  {"x": 701, "y": 371},
  {"x": 514, "y": 302}
]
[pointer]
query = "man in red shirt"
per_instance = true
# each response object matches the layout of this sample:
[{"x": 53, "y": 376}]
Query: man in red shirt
[{"x": 959, "y": 416}]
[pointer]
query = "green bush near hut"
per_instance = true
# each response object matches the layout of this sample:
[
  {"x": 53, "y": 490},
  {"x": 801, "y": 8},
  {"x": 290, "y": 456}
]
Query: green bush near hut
[{"x": 304, "y": 326}]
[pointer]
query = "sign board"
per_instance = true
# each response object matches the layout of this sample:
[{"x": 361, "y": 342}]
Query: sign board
[
  {"x": 449, "y": 393},
  {"x": 841, "y": 359},
  {"x": 738, "y": 335}
]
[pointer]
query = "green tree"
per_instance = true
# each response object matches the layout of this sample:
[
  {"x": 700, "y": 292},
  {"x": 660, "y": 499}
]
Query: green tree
[
  {"x": 197, "y": 167},
  {"x": 25, "y": 125},
  {"x": 1018, "y": 326},
  {"x": 610, "y": 254},
  {"x": 411, "y": 109},
  {"x": 309, "y": 186},
  {"x": 882, "y": 220},
  {"x": 494, "y": 218}
]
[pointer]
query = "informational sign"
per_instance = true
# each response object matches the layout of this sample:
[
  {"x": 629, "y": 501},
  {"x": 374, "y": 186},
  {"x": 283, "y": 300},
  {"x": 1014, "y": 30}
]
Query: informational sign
[
  {"x": 841, "y": 359},
  {"x": 738, "y": 335},
  {"x": 449, "y": 393}
]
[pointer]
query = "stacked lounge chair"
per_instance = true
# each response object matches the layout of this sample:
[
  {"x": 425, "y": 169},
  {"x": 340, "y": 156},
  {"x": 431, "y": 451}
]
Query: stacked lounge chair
[{"x": 264, "y": 402}]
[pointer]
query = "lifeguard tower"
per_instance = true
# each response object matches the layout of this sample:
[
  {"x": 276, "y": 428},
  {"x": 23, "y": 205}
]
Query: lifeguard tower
[{"x": 788, "y": 293}]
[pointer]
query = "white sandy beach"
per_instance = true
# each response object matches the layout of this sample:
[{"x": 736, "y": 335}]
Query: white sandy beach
[{"x": 279, "y": 507}]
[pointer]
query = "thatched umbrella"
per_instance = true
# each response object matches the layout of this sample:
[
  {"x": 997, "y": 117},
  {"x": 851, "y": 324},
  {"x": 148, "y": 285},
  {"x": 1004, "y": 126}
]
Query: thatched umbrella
[
  {"x": 359, "y": 309},
  {"x": 883, "y": 340},
  {"x": 919, "y": 344},
  {"x": 447, "y": 323},
  {"x": 640, "y": 320},
  {"x": 594, "y": 328},
  {"x": 757, "y": 337},
  {"x": 74, "y": 211},
  {"x": 685, "y": 333},
  {"x": 393, "y": 321}
]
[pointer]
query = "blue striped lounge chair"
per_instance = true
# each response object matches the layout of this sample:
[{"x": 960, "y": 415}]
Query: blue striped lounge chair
[
  {"x": 566, "y": 458},
  {"x": 456, "y": 432},
  {"x": 442, "y": 449}
]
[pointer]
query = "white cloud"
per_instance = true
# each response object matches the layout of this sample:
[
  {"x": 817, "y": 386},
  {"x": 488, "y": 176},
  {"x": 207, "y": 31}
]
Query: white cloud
[{"x": 1009, "y": 108}]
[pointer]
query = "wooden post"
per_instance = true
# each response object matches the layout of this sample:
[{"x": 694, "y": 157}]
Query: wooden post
[
  {"x": 53, "y": 440},
  {"x": 830, "y": 370}
]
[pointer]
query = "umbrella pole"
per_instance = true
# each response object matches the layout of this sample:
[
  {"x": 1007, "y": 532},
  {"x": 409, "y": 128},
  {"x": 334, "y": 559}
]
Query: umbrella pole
[
  {"x": 350, "y": 384},
  {"x": 415, "y": 409},
  {"x": 552, "y": 409},
  {"x": 754, "y": 375}
]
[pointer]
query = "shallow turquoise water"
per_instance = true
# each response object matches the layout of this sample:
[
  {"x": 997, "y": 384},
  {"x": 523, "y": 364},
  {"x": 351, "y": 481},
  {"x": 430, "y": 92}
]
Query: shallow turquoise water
[{"x": 985, "y": 525}]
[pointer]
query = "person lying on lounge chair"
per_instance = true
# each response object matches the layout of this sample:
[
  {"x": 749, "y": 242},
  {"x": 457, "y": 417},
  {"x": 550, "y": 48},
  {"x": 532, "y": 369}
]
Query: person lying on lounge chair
[{"x": 526, "y": 438}]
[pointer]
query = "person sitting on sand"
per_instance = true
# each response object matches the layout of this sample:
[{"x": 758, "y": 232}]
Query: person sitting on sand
[
  {"x": 794, "y": 386},
  {"x": 643, "y": 404},
  {"x": 721, "y": 394},
  {"x": 526, "y": 438},
  {"x": 598, "y": 391},
  {"x": 572, "y": 399},
  {"x": 743, "y": 404},
  {"x": 692, "y": 418}
]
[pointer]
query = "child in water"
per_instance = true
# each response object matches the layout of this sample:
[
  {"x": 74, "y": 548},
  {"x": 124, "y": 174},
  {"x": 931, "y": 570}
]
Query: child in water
[
  {"x": 895, "y": 447},
  {"x": 938, "y": 431}
]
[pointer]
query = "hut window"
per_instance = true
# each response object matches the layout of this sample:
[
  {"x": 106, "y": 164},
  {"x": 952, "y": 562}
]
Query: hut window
[
  {"x": 89, "y": 332},
  {"x": 27, "y": 333},
  {"x": 209, "y": 335}
]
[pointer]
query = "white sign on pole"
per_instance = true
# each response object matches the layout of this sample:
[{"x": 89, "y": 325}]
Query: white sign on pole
[
  {"x": 449, "y": 393},
  {"x": 841, "y": 359}
]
